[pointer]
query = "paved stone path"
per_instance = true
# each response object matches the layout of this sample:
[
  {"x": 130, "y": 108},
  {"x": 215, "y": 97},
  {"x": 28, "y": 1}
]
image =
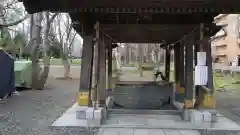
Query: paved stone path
[{"x": 132, "y": 131}]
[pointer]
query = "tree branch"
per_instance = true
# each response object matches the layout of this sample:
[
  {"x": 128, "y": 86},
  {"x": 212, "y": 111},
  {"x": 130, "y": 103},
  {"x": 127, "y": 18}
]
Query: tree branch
[
  {"x": 14, "y": 23},
  {"x": 8, "y": 5},
  {"x": 73, "y": 38},
  {"x": 53, "y": 17}
]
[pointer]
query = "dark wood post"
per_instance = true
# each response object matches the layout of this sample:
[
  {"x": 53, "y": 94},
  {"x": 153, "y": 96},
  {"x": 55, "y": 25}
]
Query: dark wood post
[
  {"x": 84, "y": 97},
  {"x": 207, "y": 99},
  {"x": 96, "y": 66},
  {"x": 176, "y": 62},
  {"x": 167, "y": 63},
  {"x": 181, "y": 68},
  {"x": 101, "y": 94},
  {"x": 179, "y": 93},
  {"x": 189, "y": 97},
  {"x": 109, "y": 56}
]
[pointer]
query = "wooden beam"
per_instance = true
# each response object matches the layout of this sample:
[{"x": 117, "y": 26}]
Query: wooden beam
[{"x": 134, "y": 6}]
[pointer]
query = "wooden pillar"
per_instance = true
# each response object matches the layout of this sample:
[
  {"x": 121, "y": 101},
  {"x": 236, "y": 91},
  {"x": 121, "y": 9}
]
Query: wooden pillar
[
  {"x": 181, "y": 68},
  {"x": 84, "y": 96},
  {"x": 207, "y": 99},
  {"x": 189, "y": 95},
  {"x": 179, "y": 95},
  {"x": 167, "y": 63},
  {"x": 209, "y": 63},
  {"x": 197, "y": 94},
  {"x": 109, "y": 64},
  {"x": 101, "y": 89},
  {"x": 176, "y": 62},
  {"x": 96, "y": 66}
]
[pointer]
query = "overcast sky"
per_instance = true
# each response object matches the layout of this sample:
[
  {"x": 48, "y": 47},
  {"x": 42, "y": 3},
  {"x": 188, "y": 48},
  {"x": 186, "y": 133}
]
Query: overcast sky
[{"x": 14, "y": 15}]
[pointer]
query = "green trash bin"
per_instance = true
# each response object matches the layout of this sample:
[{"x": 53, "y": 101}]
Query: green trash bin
[{"x": 23, "y": 73}]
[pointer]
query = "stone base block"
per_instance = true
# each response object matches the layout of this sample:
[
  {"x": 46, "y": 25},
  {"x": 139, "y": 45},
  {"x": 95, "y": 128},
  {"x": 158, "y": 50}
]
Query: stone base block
[
  {"x": 207, "y": 116},
  {"x": 185, "y": 114},
  {"x": 196, "y": 117}
]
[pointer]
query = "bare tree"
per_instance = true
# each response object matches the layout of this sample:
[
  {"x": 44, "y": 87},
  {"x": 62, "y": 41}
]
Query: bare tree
[
  {"x": 39, "y": 77},
  {"x": 140, "y": 58},
  {"x": 35, "y": 41},
  {"x": 66, "y": 40},
  {"x": 46, "y": 58}
]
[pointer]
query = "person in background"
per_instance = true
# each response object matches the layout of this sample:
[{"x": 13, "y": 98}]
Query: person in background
[{"x": 158, "y": 72}]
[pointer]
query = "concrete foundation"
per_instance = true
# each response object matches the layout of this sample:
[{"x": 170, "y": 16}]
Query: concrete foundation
[
  {"x": 81, "y": 117},
  {"x": 129, "y": 119}
]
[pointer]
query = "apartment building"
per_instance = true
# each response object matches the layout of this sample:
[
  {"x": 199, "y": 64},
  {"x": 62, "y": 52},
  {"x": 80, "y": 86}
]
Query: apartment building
[{"x": 226, "y": 43}]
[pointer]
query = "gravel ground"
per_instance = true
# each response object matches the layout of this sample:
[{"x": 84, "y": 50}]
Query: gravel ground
[{"x": 34, "y": 110}]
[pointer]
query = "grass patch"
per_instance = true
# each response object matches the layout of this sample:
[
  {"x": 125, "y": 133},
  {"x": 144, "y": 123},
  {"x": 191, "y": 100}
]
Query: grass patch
[
  {"x": 73, "y": 62},
  {"x": 224, "y": 80}
]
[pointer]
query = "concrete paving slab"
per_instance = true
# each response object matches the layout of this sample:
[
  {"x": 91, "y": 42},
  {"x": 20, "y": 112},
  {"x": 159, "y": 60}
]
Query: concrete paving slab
[
  {"x": 68, "y": 119},
  {"x": 133, "y": 131},
  {"x": 168, "y": 122},
  {"x": 156, "y": 132},
  {"x": 126, "y": 124},
  {"x": 189, "y": 132},
  {"x": 124, "y": 131},
  {"x": 171, "y": 132},
  {"x": 140, "y": 132}
]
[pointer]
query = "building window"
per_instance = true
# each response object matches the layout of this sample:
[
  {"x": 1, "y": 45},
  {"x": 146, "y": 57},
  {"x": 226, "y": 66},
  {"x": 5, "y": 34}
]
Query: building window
[
  {"x": 221, "y": 58},
  {"x": 221, "y": 47}
]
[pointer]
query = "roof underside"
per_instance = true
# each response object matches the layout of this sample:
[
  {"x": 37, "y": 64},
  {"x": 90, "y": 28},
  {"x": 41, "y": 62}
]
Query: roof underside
[
  {"x": 133, "y": 5},
  {"x": 145, "y": 33},
  {"x": 149, "y": 21}
]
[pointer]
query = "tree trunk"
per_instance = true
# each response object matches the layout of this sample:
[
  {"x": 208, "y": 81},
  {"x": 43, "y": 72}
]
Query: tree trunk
[
  {"x": 117, "y": 57},
  {"x": 46, "y": 59},
  {"x": 149, "y": 53},
  {"x": 156, "y": 54},
  {"x": 140, "y": 55},
  {"x": 36, "y": 20},
  {"x": 127, "y": 54},
  {"x": 130, "y": 54},
  {"x": 66, "y": 66}
]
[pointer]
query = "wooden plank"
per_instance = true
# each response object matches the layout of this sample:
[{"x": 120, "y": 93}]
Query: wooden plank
[
  {"x": 141, "y": 132},
  {"x": 189, "y": 132},
  {"x": 171, "y": 132},
  {"x": 156, "y": 132}
]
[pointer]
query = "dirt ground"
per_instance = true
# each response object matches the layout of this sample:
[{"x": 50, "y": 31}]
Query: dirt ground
[{"x": 34, "y": 110}]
